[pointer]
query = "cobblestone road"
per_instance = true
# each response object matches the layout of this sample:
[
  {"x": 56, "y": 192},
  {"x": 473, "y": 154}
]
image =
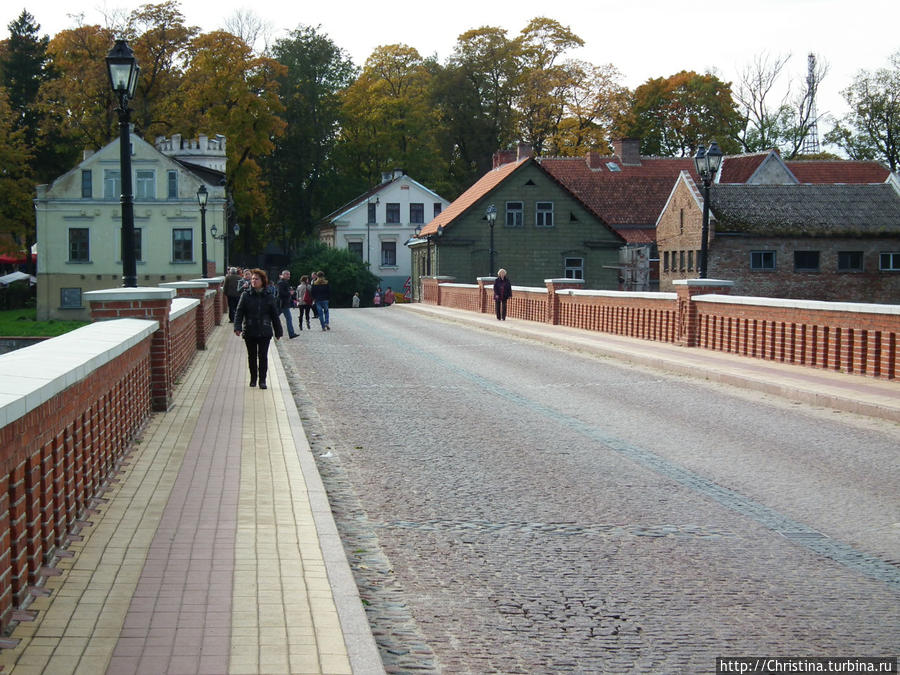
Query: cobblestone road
[{"x": 513, "y": 508}]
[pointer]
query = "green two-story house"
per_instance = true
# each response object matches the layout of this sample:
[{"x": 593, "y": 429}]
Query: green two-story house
[{"x": 541, "y": 231}]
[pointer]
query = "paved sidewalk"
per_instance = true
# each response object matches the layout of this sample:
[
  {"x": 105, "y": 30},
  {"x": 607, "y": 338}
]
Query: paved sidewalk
[
  {"x": 214, "y": 549},
  {"x": 816, "y": 386}
]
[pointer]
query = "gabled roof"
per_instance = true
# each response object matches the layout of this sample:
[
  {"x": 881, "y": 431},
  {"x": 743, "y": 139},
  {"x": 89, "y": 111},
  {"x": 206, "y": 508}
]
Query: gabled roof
[
  {"x": 755, "y": 167},
  {"x": 366, "y": 196},
  {"x": 629, "y": 198},
  {"x": 483, "y": 186},
  {"x": 807, "y": 209}
]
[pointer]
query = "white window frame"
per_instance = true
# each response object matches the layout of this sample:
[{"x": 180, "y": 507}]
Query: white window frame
[
  {"x": 182, "y": 230},
  {"x": 388, "y": 242},
  {"x": 112, "y": 184},
  {"x": 889, "y": 261},
  {"x": 145, "y": 184},
  {"x": 573, "y": 268},
  {"x": 543, "y": 216},
  {"x": 515, "y": 214},
  {"x": 763, "y": 255}
]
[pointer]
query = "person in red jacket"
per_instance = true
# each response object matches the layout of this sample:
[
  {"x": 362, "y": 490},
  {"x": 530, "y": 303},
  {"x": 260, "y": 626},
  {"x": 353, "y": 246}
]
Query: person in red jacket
[{"x": 502, "y": 293}]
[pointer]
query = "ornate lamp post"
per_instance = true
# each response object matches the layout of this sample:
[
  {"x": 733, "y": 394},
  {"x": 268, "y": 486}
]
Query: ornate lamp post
[
  {"x": 202, "y": 197},
  {"x": 491, "y": 215},
  {"x": 123, "y": 76},
  {"x": 707, "y": 164}
]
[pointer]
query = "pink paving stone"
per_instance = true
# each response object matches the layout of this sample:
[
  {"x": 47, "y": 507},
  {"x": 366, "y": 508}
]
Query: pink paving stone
[
  {"x": 123, "y": 665},
  {"x": 129, "y": 647},
  {"x": 183, "y": 665}
]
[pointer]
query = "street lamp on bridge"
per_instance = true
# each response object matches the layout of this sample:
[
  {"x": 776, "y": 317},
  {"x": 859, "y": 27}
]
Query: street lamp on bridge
[{"x": 707, "y": 163}]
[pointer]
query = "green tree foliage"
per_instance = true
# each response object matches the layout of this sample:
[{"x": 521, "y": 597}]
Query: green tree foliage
[
  {"x": 345, "y": 271},
  {"x": 674, "y": 115},
  {"x": 389, "y": 121},
  {"x": 303, "y": 181},
  {"x": 474, "y": 94},
  {"x": 16, "y": 184},
  {"x": 545, "y": 80},
  {"x": 872, "y": 129}
]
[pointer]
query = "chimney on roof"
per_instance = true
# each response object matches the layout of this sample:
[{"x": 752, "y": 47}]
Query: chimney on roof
[
  {"x": 524, "y": 151},
  {"x": 628, "y": 150},
  {"x": 594, "y": 159},
  {"x": 502, "y": 157}
]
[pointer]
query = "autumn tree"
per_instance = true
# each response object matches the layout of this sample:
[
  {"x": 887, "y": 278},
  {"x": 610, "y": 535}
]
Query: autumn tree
[
  {"x": 388, "y": 118},
  {"x": 596, "y": 100},
  {"x": 545, "y": 79},
  {"x": 301, "y": 173},
  {"x": 672, "y": 116},
  {"x": 474, "y": 94},
  {"x": 872, "y": 128},
  {"x": 227, "y": 90}
]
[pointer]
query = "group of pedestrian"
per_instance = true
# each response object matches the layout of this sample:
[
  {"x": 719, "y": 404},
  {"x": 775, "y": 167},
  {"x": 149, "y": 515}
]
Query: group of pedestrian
[
  {"x": 256, "y": 306},
  {"x": 383, "y": 299}
]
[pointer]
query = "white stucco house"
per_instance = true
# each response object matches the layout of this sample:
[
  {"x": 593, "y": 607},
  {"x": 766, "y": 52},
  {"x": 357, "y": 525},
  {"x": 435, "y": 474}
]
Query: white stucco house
[
  {"x": 79, "y": 221},
  {"x": 377, "y": 224}
]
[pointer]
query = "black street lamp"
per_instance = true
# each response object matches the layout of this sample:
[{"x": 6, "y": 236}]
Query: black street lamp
[
  {"x": 491, "y": 215},
  {"x": 226, "y": 236},
  {"x": 202, "y": 197},
  {"x": 123, "y": 76},
  {"x": 707, "y": 164}
]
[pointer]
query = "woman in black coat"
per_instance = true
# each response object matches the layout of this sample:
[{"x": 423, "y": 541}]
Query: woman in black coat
[
  {"x": 502, "y": 293},
  {"x": 256, "y": 320}
]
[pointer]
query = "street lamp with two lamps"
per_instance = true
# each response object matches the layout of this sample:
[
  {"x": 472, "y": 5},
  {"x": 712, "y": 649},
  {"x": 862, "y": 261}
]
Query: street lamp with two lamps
[
  {"x": 707, "y": 163},
  {"x": 124, "y": 72},
  {"x": 225, "y": 236}
]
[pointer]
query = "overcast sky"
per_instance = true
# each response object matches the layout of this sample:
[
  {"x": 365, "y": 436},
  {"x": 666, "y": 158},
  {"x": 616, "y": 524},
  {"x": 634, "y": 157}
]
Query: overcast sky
[{"x": 642, "y": 38}]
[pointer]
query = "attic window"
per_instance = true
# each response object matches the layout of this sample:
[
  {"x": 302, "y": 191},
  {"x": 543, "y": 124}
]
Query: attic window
[
  {"x": 612, "y": 166},
  {"x": 572, "y": 217},
  {"x": 530, "y": 183}
]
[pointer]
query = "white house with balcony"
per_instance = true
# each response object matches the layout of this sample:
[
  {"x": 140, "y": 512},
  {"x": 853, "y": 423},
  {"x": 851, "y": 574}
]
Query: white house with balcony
[
  {"x": 79, "y": 221},
  {"x": 376, "y": 225}
]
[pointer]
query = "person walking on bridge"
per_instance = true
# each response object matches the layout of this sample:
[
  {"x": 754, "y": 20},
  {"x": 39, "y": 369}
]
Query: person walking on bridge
[
  {"x": 502, "y": 293},
  {"x": 256, "y": 320}
]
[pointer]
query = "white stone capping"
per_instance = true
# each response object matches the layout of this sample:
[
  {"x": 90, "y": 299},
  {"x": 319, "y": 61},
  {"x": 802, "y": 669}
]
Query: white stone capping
[
  {"x": 184, "y": 284},
  {"x": 564, "y": 281},
  {"x": 643, "y": 295},
  {"x": 491, "y": 279},
  {"x": 182, "y": 306},
  {"x": 31, "y": 376},
  {"x": 703, "y": 282},
  {"x": 453, "y": 285},
  {"x": 817, "y": 305},
  {"x": 125, "y": 294}
]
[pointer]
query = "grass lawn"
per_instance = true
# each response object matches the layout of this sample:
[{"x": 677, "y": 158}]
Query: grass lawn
[{"x": 22, "y": 323}]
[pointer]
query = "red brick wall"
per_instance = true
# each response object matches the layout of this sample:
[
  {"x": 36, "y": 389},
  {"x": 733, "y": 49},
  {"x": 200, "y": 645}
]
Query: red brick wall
[
  {"x": 835, "y": 338},
  {"x": 56, "y": 457}
]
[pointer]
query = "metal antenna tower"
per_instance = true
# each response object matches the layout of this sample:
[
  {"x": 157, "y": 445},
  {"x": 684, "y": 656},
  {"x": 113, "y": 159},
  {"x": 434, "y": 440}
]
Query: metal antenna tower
[{"x": 811, "y": 140}]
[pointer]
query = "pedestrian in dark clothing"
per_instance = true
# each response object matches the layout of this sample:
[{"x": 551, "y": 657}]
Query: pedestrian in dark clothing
[
  {"x": 502, "y": 293},
  {"x": 232, "y": 292},
  {"x": 304, "y": 297},
  {"x": 285, "y": 300},
  {"x": 321, "y": 294},
  {"x": 256, "y": 320}
]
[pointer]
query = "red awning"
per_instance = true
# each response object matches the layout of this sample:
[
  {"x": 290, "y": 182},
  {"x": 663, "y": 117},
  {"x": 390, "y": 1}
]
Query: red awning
[{"x": 21, "y": 259}]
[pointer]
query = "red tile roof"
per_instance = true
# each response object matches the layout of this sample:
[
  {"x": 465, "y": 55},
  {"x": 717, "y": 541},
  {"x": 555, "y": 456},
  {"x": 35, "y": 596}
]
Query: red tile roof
[
  {"x": 837, "y": 171},
  {"x": 630, "y": 197},
  {"x": 739, "y": 168}
]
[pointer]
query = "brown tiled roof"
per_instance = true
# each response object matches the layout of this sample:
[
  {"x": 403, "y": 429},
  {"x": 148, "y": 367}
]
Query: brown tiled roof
[
  {"x": 807, "y": 209},
  {"x": 739, "y": 168},
  {"x": 483, "y": 186},
  {"x": 629, "y": 198},
  {"x": 837, "y": 171}
]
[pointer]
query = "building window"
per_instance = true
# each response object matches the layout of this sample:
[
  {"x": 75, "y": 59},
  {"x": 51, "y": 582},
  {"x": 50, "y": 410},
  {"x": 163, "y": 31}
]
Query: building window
[
  {"x": 183, "y": 245},
  {"x": 515, "y": 214},
  {"x": 889, "y": 262},
  {"x": 681, "y": 261},
  {"x": 79, "y": 244},
  {"x": 173, "y": 185},
  {"x": 145, "y": 184},
  {"x": 389, "y": 254},
  {"x": 138, "y": 249},
  {"x": 665, "y": 261},
  {"x": 70, "y": 298},
  {"x": 543, "y": 214},
  {"x": 690, "y": 261},
  {"x": 112, "y": 184},
  {"x": 850, "y": 261},
  {"x": 438, "y": 207},
  {"x": 574, "y": 268},
  {"x": 417, "y": 214},
  {"x": 762, "y": 260},
  {"x": 355, "y": 247},
  {"x": 372, "y": 215},
  {"x": 392, "y": 215},
  {"x": 806, "y": 261},
  {"x": 87, "y": 187}
]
